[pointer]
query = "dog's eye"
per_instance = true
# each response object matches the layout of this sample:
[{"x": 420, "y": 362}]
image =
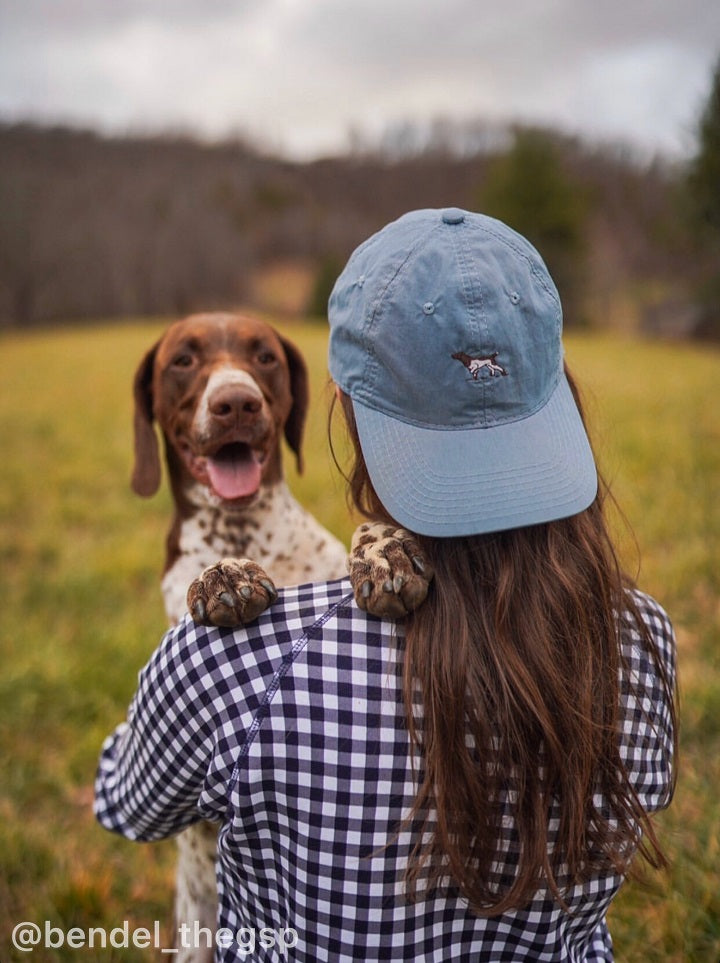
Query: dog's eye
[
  {"x": 266, "y": 357},
  {"x": 182, "y": 360}
]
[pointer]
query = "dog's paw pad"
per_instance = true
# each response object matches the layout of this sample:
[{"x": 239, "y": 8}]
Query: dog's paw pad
[
  {"x": 388, "y": 572},
  {"x": 234, "y": 591}
]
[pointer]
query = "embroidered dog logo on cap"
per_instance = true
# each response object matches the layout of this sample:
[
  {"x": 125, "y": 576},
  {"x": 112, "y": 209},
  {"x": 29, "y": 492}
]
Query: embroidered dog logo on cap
[{"x": 476, "y": 365}]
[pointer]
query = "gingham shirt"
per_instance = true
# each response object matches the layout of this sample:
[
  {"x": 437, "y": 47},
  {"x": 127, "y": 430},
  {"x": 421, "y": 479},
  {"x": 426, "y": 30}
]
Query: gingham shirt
[{"x": 291, "y": 734}]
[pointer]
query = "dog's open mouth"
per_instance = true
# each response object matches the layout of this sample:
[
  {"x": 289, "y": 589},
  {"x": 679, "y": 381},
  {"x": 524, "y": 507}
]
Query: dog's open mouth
[{"x": 235, "y": 471}]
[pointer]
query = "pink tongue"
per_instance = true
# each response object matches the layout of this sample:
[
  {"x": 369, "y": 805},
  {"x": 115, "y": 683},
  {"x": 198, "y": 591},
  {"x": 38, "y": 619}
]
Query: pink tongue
[{"x": 235, "y": 474}]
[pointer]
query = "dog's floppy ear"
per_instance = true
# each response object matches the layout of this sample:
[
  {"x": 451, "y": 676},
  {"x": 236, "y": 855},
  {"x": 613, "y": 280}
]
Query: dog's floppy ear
[
  {"x": 295, "y": 425},
  {"x": 146, "y": 472}
]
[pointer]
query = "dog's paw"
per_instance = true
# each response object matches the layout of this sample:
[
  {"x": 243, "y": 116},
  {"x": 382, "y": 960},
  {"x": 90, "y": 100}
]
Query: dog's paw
[
  {"x": 232, "y": 592},
  {"x": 389, "y": 575}
]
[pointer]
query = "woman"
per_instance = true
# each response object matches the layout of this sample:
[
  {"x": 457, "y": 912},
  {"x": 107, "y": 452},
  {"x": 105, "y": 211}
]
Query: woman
[{"x": 470, "y": 783}]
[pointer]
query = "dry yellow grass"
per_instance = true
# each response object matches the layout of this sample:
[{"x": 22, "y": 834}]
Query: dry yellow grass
[{"x": 80, "y": 558}]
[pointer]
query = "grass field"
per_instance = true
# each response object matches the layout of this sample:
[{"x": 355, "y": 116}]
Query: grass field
[{"x": 81, "y": 611}]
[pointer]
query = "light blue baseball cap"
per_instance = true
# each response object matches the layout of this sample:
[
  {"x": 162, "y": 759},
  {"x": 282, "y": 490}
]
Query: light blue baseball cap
[{"x": 445, "y": 331}]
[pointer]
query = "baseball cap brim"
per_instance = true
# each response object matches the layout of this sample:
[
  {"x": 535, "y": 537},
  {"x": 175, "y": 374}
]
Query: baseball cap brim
[{"x": 447, "y": 483}]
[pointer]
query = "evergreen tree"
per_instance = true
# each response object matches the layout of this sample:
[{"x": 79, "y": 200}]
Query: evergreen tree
[
  {"x": 325, "y": 277},
  {"x": 704, "y": 187},
  {"x": 704, "y": 179},
  {"x": 531, "y": 191}
]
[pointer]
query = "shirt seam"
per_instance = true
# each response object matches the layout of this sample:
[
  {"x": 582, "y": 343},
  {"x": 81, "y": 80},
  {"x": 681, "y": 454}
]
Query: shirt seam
[{"x": 280, "y": 673}]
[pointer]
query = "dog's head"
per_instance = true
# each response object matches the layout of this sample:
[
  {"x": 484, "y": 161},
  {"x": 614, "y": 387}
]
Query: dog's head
[{"x": 223, "y": 389}]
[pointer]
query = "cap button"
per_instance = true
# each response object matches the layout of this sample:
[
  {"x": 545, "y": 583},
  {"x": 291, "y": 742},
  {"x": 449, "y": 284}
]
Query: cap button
[{"x": 453, "y": 215}]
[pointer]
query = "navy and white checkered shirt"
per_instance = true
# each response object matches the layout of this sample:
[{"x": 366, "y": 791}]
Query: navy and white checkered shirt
[{"x": 291, "y": 733}]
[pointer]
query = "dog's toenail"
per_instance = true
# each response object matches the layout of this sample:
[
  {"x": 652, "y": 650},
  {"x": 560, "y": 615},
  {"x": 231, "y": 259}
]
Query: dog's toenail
[{"x": 269, "y": 588}]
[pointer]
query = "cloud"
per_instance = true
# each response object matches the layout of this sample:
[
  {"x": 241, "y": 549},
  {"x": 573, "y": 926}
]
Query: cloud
[{"x": 300, "y": 73}]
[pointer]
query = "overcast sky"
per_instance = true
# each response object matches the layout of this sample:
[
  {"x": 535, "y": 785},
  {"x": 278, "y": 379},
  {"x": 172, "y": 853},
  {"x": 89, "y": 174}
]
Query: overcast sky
[{"x": 300, "y": 74}]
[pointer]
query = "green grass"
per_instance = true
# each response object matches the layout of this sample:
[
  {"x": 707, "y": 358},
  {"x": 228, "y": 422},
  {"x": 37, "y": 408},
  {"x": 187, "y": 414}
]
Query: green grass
[{"x": 80, "y": 558}]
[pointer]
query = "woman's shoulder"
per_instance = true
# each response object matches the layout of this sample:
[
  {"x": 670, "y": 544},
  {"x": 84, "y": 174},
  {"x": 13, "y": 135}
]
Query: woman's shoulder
[
  {"x": 652, "y": 612},
  {"x": 647, "y": 696},
  {"x": 311, "y": 596},
  {"x": 296, "y": 610},
  {"x": 654, "y": 624}
]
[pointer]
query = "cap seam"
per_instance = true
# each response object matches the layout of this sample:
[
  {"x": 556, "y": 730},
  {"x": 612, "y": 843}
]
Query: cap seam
[
  {"x": 472, "y": 294},
  {"x": 376, "y": 306},
  {"x": 528, "y": 260}
]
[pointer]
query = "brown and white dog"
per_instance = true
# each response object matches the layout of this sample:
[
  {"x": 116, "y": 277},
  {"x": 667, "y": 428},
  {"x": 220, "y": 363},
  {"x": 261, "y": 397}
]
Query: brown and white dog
[{"x": 224, "y": 389}]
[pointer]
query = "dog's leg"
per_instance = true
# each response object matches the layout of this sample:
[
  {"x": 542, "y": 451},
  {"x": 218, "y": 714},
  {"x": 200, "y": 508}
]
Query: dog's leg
[
  {"x": 196, "y": 894},
  {"x": 232, "y": 592},
  {"x": 388, "y": 573}
]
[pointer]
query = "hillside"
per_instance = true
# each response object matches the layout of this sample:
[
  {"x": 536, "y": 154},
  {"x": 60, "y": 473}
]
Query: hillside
[{"x": 95, "y": 227}]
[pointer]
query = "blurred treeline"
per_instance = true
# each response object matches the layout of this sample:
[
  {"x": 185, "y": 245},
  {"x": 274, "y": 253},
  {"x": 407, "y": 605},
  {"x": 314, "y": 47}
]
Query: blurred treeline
[{"x": 97, "y": 227}]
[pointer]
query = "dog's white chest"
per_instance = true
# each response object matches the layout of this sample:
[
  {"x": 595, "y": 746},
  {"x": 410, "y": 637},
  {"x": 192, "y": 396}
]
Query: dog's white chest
[{"x": 276, "y": 532}]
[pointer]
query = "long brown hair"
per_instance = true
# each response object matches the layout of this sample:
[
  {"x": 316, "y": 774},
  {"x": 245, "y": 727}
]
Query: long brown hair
[{"x": 516, "y": 659}]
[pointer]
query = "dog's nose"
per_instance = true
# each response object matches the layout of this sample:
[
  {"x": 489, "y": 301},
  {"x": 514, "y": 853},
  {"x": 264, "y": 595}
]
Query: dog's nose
[{"x": 234, "y": 404}]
